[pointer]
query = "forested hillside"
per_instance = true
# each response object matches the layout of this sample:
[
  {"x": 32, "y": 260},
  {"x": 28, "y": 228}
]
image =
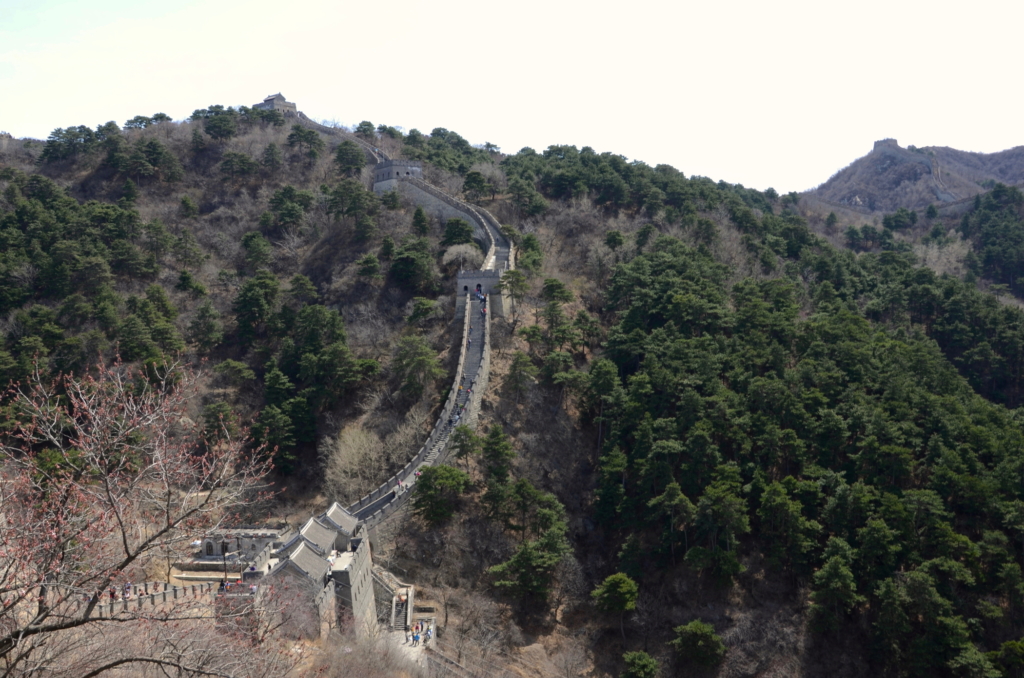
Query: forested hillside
[{"x": 714, "y": 441}]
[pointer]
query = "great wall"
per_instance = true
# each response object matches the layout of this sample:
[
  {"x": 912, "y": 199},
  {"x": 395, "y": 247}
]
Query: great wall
[
  {"x": 473, "y": 369},
  {"x": 334, "y": 549}
]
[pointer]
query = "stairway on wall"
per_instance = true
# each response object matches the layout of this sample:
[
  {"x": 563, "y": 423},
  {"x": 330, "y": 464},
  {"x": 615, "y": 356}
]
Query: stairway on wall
[{"x": 399, "y": 622}]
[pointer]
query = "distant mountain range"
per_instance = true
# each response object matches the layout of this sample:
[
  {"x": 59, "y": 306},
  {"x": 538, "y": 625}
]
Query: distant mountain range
[{"x": 890, "y": 177}]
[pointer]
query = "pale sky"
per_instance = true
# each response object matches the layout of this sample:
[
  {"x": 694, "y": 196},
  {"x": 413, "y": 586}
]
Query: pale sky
[{"x": 779, "y": 94}]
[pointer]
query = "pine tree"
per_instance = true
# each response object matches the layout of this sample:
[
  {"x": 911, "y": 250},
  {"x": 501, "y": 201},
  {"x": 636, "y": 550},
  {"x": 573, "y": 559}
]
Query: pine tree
[
  {"x": 640, "y": 665},
  {"x": 369, "y": 266},
  {"x": 274, "y": 429},
  {"x": 497, "y": 456},
  {"x": 834, "y": 592},
  {"x": 521, "y": 373},
  {"x": 437, "y": 493},
  {"x": 420, "y": 224},
  {"x": 205, "y": 329},
  {"x": 416, "y": 364},
  {"x": 129, "y": 192},
  {"x": 189, "y": 209},
  {"x": 698, "y": 643},
  {"x": 465, "y": 443},
  {"x": 617, "y": 593},
  {"x": 349, "y": 159},
  {"x": 679, "y": 512},
  {"x": 272, "y": 158}
]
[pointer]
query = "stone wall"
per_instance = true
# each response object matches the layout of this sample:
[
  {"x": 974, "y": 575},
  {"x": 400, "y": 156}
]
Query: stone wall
[
  {"x": 147, "y": 603},
  {"x": 433, "y": 205},
  {"x": 361, "y": 592},
  {"x": 391, "y": 486}
]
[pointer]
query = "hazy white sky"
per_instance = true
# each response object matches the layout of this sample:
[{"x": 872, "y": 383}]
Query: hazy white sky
[{"x": 777, "y": 94}]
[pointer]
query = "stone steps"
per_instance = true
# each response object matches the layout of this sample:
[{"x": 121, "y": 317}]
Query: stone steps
[{"x": 398, "y": 623}]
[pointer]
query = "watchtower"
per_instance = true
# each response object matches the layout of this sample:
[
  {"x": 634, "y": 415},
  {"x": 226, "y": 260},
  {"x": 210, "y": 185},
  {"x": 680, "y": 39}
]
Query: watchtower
[
  {"x": 277, "y": 102},
  {"x": 386, "y": 174},
  {"x": 480, "y": 282}
]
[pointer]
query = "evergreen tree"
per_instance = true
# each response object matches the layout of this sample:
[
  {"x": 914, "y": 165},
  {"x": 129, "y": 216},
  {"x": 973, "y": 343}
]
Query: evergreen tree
[
  {"x": 258, "y": 250},
  {"x": 274, "y": 429},
  {"x": 369, "y": 266},
  {"x": 416, "y": 364},
  {"x": 475, "y": 185},
  {"x": 205, "y": 329},
  {"x": 677, "y": 510},
  {"x": 521, "y": 373},
  {"x": 437, "y": 493},
  {"x": 308, "y": 142},
  {"x": 221, "y": 127},
  {"x": 272, "y": 159},
  {"x": 614, "y": 240},
  {"x": 617, "y": 593},
  {"x": 835, "y": 592},
  {"x": 529, "y": 572},
  {"x": 189, "y": 209},
  {"x": 465, "y": 443},
  {"x": 420, "y": 224},
  {"x": 640, "y": 665},
  {"x": 349, "y": 159},
  {"x": 302, "y": 289},
  {"x": 697, "y": 643},
  {"x": 129, "y": 192},
  {"x": 497, "y": 456},
  {"x": 457, "y": 232}
]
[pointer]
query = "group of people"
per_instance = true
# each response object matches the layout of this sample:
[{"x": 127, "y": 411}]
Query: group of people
[
  {"x": 453, "y": 420},
  {"x": 420, "y": 631}
]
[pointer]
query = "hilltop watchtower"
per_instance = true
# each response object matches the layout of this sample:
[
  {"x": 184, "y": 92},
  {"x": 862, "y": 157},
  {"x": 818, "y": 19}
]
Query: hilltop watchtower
[{"x": 277, "y": 102}]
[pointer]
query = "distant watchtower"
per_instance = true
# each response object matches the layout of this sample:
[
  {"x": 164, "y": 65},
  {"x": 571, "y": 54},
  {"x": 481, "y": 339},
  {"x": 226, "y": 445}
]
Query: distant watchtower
[
  {"x": 386, "y": 174},
  {"x": 277, "y": 102}
]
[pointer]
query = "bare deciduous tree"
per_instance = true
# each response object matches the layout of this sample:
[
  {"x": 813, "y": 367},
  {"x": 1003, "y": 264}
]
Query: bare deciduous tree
[
  {"x": 351, "y": 461},
  {"x": 468, "y": 257},
  {"x": 101, "y": 479},
  {"x": 571, "y": 660}
]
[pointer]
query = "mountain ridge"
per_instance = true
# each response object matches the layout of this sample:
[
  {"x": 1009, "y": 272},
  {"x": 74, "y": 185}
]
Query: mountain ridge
[{"x": 891, "y": 176}]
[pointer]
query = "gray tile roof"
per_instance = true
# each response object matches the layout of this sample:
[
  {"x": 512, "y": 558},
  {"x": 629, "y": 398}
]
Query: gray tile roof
[
  {"x": 305, "y": 560},
  {"x": 321, "y": 534},
  {"x": 340, "y": 519}
]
